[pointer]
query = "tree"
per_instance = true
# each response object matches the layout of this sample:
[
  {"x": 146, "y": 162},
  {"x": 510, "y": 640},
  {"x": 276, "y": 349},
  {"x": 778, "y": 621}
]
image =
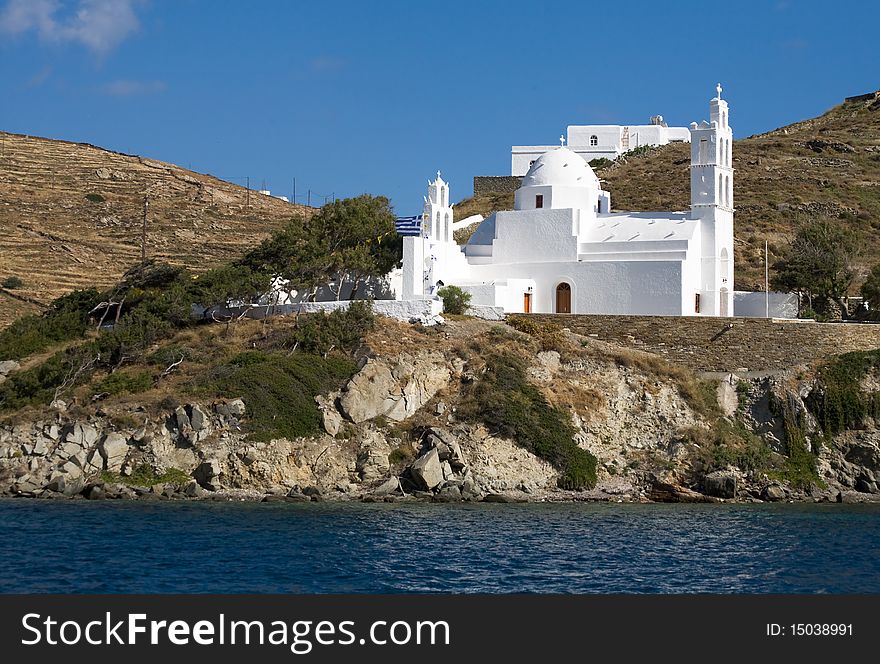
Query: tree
[
  {"x": 871, "y": 288},
  {"x": 346, "y": 241},
  {"x": 358, "y": 240},
  {"x": 818, "y": 264}
]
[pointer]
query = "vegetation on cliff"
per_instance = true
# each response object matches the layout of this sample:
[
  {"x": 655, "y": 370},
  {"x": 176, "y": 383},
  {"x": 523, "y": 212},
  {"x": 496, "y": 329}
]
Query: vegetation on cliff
[{"x": 511, "y": 406}]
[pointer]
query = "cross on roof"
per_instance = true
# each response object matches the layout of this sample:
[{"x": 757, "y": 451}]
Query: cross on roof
[
  {"x": 562, "y": 140},
  {"x": 718, "y": 89}
]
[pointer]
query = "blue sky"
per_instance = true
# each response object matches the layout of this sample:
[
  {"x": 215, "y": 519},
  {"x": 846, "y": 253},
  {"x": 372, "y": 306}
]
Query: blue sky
[{"x": 352, "y": 97}]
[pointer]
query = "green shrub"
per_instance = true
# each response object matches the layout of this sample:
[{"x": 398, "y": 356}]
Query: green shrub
[
  {"x": 95, "y": 198},
  {"x": 38, "y": 385},
  {"x": 66, "y": 318},
  {"x": 12, "y": 282},
  {"x": 838, "y": 401},
  {"x": 512, "y": 407},
  {"x": 279, "y": 390},
  {"x": 124, "y": 383},
  {"x": 145, "y": 476},
  {"x": 342, "y": 330},
  {"x": 455, "y": 300}
]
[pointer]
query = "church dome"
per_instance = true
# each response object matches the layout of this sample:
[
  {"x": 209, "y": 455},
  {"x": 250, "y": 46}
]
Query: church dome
[{"x": 560, "y": 166}]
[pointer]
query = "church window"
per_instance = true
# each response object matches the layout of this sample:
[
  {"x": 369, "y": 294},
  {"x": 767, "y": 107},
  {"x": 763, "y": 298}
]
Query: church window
[
  {"x": 594, "y": 140},
  {"x": 697, "y": 304},
  {"x": 704, "y": 149},
  {"x": 437, "y": 230},
  {"x": 443, "y": 197},
  {"x": 539, "y": 201},
  {"x": 448, "y": 225}
]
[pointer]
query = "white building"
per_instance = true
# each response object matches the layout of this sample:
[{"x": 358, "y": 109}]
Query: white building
[
  {"x": 562, "y": 250},
  {"x": 595, "y": 141}
]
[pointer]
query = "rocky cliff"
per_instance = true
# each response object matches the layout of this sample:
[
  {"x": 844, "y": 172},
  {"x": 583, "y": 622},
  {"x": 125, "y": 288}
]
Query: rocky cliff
[{"x": 405, "y": 426}]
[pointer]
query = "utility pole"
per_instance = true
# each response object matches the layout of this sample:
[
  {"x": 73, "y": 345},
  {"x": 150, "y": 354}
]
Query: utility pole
[
  {"x": 309, "y": 199},
  {"x": 247, "y": 204},
  {"x": 294, "y": 191},
  {"x": 766, "y": 280}
]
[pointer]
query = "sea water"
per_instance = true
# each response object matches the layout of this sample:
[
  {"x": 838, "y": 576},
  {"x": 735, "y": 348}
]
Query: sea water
[{"x": 209, "y": 547}]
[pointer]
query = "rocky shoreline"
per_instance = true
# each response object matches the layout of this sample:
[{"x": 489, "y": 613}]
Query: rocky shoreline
[{"x": 393, "y": 434}]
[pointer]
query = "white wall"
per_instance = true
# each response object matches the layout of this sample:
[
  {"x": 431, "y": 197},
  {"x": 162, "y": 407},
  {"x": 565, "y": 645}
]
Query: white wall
[{"x": 633, "y": 287}]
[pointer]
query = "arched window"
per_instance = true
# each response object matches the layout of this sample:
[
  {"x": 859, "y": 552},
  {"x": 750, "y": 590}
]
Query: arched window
[
  {"x": 438, "y": 231},
  {"x": 448, "y": 225},
  {"x": 443, "y": 197},
  {"x": 594, "y": 140}
]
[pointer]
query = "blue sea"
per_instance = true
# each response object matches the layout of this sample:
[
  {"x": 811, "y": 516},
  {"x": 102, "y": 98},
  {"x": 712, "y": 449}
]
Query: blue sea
[{"x": 206, "y": 547}]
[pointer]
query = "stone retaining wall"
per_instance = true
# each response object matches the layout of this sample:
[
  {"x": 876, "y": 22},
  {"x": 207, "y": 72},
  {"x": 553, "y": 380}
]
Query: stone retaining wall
[
  {"x": 725, "y": 344},
  {"x": 496, "y": 184}
]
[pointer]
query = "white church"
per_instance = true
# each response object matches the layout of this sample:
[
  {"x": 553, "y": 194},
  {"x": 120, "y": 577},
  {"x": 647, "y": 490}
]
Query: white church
[
  {"x": 602, "y": 141},
  {"x": 562, "y": 249}
]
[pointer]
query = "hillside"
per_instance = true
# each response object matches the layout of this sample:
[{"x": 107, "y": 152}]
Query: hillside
[
  {"x": 827, "y": 166},
  {"x": 71, "y": 216}
]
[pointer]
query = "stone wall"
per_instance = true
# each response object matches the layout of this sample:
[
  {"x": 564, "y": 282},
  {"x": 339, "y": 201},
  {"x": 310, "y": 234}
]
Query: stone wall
[
  {"x": 725, "y": 344},
  {"x": 496, "y": 184}
]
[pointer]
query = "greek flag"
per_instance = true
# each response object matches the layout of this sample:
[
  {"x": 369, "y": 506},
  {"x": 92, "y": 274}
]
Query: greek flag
[{"x": 409, "y": 225}]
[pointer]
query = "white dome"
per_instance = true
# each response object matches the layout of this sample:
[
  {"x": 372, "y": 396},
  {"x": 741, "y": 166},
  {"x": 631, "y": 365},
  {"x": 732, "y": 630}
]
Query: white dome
[{"x": 562, "y": 167}]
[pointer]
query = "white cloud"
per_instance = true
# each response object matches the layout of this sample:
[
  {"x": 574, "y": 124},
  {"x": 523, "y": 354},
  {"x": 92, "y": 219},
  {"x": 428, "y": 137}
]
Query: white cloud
[
  {"x": 129, "y": 88},
  {"x": 99, "y": 25}
]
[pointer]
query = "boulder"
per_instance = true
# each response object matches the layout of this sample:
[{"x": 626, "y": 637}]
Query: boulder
[
  {"x": 387, "y": 487},
  {"x": 113, "y": 450},
  {"x": 82, "y": 434},
  {"x": 192, "y": 489},
  {"x": 372, "y": 459},
  {"x": 207, "y": 474},
  {"x": 426, "y": 471},
  {"x": 198, "y": 419},
  {"x": 8, "y": 366},
  {"x": 498, "y": 498},
  {"x": 394, "y": 388},
  {"x": 331, "y": 418},
  {"x": 237, "y": 408},
  {"x": 721, "y": 484},
  {"x": 182, "y": 419},
  {"x": 773, "y": 492},
  {"x": 449, "y": 493}
]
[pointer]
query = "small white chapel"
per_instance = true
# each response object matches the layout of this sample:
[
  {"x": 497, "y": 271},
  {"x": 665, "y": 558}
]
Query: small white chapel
[{"x": 563, "y": 250}]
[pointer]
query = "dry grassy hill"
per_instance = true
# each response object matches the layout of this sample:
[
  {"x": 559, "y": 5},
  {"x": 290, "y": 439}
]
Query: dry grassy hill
[
  {"x": 71, "y": 216},
  {"x": 827, "y": 166}
]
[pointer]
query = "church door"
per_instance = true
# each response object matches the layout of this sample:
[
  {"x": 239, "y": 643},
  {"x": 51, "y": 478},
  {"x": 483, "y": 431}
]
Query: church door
[
  {"x": 563, "y": 298},
  {"x": 723, "y": 310},
  {"x": 527, "y": 303}
]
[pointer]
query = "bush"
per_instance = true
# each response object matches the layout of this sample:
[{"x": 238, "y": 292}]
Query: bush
[
  {"x": 342, "y": 330},
  {"x": 455, "y": 300},
  {"x": 549, "y": 335},
  {"x": 12, "y": 282},
  {"x": 38, "y": 384},
  {"x": 512, "y": 407},
  {"x": 67, "y": 318},
  {"x": 838, "y": 401},
  {"x": 95, "y": 198},
  {"x": 280, "y": 390},
  {"x": 124, "y": 383}
]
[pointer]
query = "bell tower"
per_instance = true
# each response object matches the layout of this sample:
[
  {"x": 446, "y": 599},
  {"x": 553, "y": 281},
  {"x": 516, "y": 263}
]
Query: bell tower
[
  {"x": 712, "y": 205},
  {"x": 438, "y": 211}
]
